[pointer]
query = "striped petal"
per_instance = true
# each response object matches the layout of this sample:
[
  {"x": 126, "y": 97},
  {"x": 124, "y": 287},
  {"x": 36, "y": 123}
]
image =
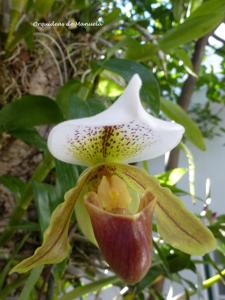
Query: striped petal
[
  {"x": 55, "y": 246},
  {"x": 177, "y": 226},
  {"x": 124, "y": 132}
]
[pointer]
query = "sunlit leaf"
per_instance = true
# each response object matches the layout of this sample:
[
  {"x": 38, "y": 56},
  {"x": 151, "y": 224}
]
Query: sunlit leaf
[
  {"x": 127, "y": 68},
  {"x": 171, "y": 177},
  {"x": 176, "y": 113},
  {"x": 202, "y": 21},
  {"x": 108, "y": 87},
  {"x": 184, "y": 57}
]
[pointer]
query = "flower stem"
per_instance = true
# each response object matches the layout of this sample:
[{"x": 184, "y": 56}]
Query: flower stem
[
  {"x": 212, "y": 280},
  {"x": 205, "y": 285},
  {"x": 90, "y": 288}
]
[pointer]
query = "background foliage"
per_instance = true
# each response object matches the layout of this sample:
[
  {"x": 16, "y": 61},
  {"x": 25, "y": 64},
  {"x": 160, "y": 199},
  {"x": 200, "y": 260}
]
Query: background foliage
[{"x": 53, "y": 73}]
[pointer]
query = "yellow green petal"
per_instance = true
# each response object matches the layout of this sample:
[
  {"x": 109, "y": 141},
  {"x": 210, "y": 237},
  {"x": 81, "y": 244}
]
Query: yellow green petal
[
  {"x": 55, "y": 246},
  {"x": 177, "y": 226}
]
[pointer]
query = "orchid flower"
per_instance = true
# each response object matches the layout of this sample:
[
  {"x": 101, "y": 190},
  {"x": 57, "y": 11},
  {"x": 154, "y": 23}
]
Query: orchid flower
[{"x": 115, "y": 202}]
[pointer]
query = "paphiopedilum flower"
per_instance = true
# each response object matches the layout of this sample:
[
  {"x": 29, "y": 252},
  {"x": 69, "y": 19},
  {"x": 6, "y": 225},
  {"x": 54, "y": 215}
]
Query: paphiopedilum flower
[{"x": 115, "y": 201}]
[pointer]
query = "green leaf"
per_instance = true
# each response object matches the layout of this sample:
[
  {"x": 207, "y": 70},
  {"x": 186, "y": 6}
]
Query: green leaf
[
  {"x": 95, "y": 106},
  {"x": 150, "y": 92},
  {"x": 66, "y": 178},
  {"x": 28, "y": 226},
  {"x": 30, "y": 283},
  {"x": 14, "y": 184},
  {"x": 18, "y": 5},
  {"x": 71, "y": 104},
  {"x": 6, "y": 268},
  {"x": 111, "y": 17},
  {"x": 78, "y": 108},
  {"x": 26, "y": 32},
  {"x": 42, "y": 201},
  {"x": 218, "y": 227},
  {"x": 202, "y": 21},
  {"x": 176, "y": 113},
  {"x": 67, "y": 175},
  {"x": 16, "y": 10},
  {"x": 70, "y": 89},
  {"x": 39, "y": 174},
  {"x": 43, "y": 6},
  {"x": 153, "y": 273},
  {"x": 29, "y": 111},
  {"x": 137, "y": 51},
  {"x": 107, "y": 86},
  {"x": 90, "y": 288},
  {"x": 178, "y": 9},
  {"x": 195, "y": 4},
  {"x": 30, "y": 136},
  {"x": 179, "y": 261},
  {"x": 171, "y": 177},
  {"x": 183, "y": 56}
]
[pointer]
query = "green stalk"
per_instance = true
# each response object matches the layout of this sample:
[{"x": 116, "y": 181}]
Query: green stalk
[
  {"x": 205, "y": 284},
  {"x": 30, "y": 283},
  {"x": 7, "y": 267},
  {"x": 212, "y": 280},
  {"x": 90, "y": 288},
  {"x": 40, "y": 173},
  {"x": 11, "y": 287},
  {"x": 191, "y": 171}
]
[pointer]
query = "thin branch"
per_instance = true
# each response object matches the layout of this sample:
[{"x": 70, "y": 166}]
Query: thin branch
[
  {"x": 189, "y": 85},
  {"x": 145, "y": 33},
  {"x": 218, "y": 38}
]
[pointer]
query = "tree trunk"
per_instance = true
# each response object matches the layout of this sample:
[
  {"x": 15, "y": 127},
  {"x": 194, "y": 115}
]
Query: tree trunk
[{"x": 187, "y": 92}]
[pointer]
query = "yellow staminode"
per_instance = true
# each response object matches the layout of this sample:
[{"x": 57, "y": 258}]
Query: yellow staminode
[{"x": 113, "y": 194}]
